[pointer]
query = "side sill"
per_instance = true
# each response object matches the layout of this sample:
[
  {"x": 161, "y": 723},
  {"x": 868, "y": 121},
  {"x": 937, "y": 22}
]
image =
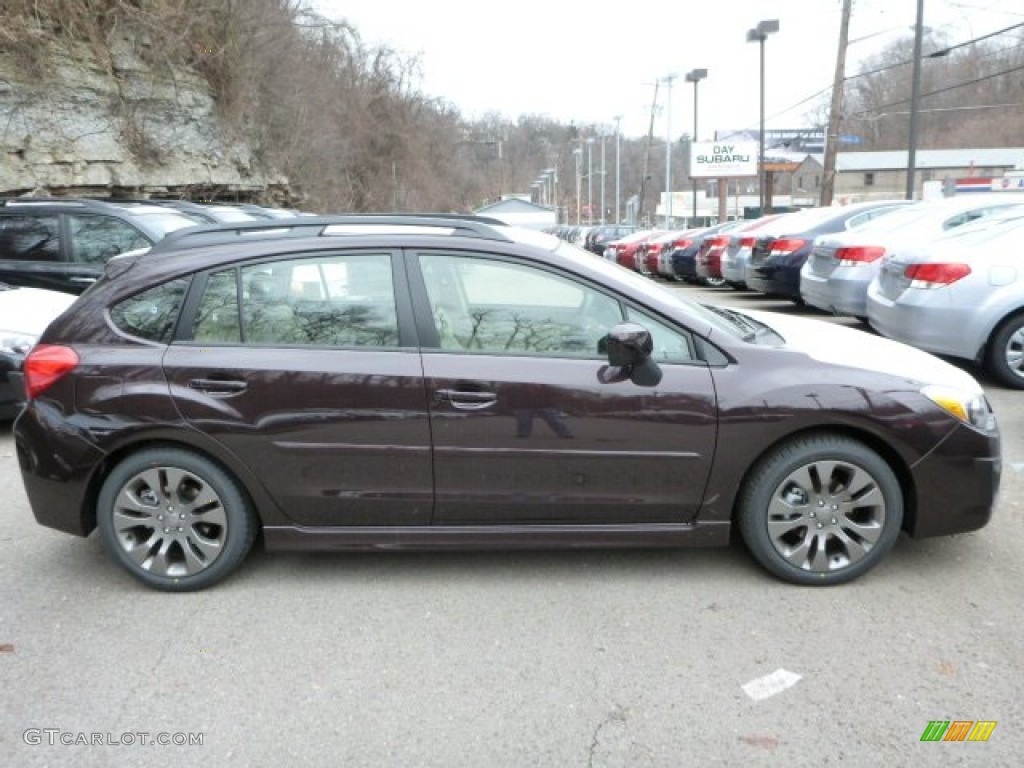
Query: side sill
[{"x": 497, "y": 537}]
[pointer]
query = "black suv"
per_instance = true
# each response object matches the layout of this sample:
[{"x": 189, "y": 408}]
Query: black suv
[{"x": 63, "y": 243}]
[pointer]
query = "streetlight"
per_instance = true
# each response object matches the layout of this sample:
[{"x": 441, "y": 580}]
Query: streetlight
[
  {"x": 668, "y": 149},
  {"x": 590, "y": 181},
  {"x": 618, "y": 142},
  {"x": 578, "y": 154},
  {"x": 759, "y": 34},
  {"x": 603, "y": 177},
  {"x": 695, "y": 76}
]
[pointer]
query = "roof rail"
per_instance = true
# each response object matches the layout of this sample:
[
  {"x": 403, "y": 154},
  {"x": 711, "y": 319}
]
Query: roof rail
[
  {"x": 318, "y": 226},
  {"x": 84, "y": 202}
]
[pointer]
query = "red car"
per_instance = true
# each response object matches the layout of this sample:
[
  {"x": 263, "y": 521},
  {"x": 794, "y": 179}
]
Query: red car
[{"x": 627, "y": 248}]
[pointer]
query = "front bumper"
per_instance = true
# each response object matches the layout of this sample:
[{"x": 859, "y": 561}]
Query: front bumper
[{"x": 957, "y": 484}]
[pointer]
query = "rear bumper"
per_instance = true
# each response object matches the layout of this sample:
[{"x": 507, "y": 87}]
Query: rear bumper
[
  {"x": 843, "y": 297},
  {"x": 12, "y": 386},
  {"x": 56, "y": 474}
]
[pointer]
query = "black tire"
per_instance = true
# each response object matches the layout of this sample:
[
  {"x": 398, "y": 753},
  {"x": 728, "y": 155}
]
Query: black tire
[
  {"x": 814, "y": 530},
  {"x": 1004, "y": 356},
  {"x": 175, "y": 520},
  {"x": 712, "y": 282}
]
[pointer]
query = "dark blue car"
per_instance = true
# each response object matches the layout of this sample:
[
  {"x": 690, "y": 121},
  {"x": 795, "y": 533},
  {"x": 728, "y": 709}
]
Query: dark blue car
[{"x": 779, "y": 253}]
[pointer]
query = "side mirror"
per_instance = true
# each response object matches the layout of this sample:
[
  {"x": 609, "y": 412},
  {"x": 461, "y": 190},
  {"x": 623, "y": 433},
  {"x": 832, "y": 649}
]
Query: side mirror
[{"x": 629, "y": 347}]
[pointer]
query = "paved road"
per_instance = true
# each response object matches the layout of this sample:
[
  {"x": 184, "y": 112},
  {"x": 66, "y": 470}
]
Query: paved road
[{"x": 538, "y": 659}]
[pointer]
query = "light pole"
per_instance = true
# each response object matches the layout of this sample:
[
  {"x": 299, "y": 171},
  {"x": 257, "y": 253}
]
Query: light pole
[
  {"x": 668, "y": 149},
  {"x": 695, "y": 76},
  {"x": 603, "y": 177},
  {"x": 590, "y": 181},
  {"x": 759, "y": 34},
  {"x": 618, "y": 143},
  {"x": 578, "y": 154}
]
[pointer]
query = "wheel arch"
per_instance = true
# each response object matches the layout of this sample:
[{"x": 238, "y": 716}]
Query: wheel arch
[
  {"x": 888, "y": 454},
  {"x": 247, "y": 483}
]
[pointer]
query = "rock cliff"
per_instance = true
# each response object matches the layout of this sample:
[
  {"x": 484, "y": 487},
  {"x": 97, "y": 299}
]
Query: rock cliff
[{"x": 119, "y": 126}]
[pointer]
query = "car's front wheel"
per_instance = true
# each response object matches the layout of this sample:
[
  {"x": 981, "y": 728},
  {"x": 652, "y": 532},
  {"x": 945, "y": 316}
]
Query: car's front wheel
[
  {"x": 174, "y": 519},
  {"x": 820, "y": 510}
]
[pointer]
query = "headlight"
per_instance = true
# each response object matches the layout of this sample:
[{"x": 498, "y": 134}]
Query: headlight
[
  {"x": 13, "y": 343},
  {"x": 971, "y": 409}
]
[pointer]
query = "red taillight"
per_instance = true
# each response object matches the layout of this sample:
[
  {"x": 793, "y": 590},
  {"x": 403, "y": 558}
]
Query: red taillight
[
  {"x": 861, "y": 254},
  {"x": 45, "y": 365},
  {"x": 747, "y": 242},
  {"x": 934, "y": 275},
  {"x": 682, "y": 243},
  {"x": 787, "y": 245},
  {"x": 719, "y": 242}
]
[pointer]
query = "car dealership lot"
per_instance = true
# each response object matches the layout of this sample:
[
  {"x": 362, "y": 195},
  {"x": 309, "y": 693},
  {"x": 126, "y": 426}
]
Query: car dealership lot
[{"x": 586, "y": 658}]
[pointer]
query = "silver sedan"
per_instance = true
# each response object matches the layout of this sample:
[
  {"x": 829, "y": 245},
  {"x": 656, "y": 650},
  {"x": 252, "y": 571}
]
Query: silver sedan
[
  {"x": 960, "y": 295},
  {"x": 836, "y": 276}
]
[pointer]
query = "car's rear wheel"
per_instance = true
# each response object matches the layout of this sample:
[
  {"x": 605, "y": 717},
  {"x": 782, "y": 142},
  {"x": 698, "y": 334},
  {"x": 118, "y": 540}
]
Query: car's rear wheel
[
  {"x": 713, "y": 282},
  {"x": 820, "y": 510},
  {"x": 174, "y": 520},
  {"x": 1005, "y": 354}
]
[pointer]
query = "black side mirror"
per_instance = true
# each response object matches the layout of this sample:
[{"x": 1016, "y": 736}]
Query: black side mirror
[{"x": 629, "y": 347}]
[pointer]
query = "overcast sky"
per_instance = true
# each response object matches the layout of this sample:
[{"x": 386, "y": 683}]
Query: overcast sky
[{"x": 576, "y": 61}]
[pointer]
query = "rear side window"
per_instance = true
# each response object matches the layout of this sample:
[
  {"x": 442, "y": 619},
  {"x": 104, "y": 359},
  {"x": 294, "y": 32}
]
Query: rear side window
[
  {"x": 94, "y": 239},
  {"x": 335, "y": 301},
  {"x": 152, "y": 314},
  {"x": 30, "y": 238}
]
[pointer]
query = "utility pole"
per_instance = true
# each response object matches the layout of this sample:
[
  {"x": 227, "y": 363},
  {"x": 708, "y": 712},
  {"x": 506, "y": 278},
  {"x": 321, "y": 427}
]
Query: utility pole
[
  {"x": 835, "y": 115},
  {"x": 618, "y": 146},
  {"x": 668, "y": 149},
  {"x": 915, "y": 100},
  {"x": 647, "y": 159}
]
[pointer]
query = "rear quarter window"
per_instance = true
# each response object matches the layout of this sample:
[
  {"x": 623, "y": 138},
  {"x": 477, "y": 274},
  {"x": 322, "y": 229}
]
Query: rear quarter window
[{"x": 152, "y": 314}]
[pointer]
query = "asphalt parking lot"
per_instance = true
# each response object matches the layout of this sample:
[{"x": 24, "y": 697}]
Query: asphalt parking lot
[{"x": 519, "y": 659}]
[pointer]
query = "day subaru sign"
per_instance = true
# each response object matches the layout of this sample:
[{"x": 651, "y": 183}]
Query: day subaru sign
[{"x": 723, "y": 158}]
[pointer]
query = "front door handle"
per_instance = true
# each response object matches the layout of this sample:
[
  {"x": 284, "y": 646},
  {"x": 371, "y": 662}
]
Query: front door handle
[
  {"x": 218, "y": 387},
  {"x": 467, "y": 400}
]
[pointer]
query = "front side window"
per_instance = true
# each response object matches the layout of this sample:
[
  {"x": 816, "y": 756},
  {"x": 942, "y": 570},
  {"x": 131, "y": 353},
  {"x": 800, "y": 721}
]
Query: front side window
[
  {"x": 334, "y": 301},
  {"x": 151, "y": 314},
  {"x": 670, "y": 345},
  {"x": 95, "y": 239},
  {"x": 30, "y": 238},
  {"x": 493, "y": 307}
]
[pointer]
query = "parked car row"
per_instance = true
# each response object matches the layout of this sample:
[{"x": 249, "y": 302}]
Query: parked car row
[{"x": 940, "y": 275}]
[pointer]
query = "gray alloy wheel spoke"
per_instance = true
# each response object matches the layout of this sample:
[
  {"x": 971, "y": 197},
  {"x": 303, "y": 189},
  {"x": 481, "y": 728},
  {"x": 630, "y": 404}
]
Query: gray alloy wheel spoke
[
  {"x": 128, "y": 501},
  {"x": 1015, "y": 351},
  {"x": 854, "y": 549},
  {"x": 777, "y": 529},
  {"x": 209, "y": 548},
  {"x": 161, "y": 563},
  {"x": 175, "y": 481},
  {"x": 818, "y": 538},
  {"x": 139, "y": 552},
  {"x": 152, "y": 478},
  {"x": 210, "y": 512},
  {"x": 819, "y": 561},
  {"x": 870, "y": 532}
]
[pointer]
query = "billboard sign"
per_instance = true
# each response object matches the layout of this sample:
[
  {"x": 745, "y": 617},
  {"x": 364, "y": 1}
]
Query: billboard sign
[{"x": 722, "y": 159}]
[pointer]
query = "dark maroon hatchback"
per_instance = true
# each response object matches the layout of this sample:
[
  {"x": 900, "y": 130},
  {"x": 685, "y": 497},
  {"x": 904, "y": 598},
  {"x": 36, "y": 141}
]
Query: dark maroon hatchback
[{"x": 359, "y": 383}]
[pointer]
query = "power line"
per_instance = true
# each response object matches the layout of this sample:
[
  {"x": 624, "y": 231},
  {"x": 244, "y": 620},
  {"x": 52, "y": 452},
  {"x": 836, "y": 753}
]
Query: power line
[{"x": 943, "y": 90}]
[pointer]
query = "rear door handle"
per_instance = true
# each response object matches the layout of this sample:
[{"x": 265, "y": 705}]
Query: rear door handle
[
  {"x": 466, "y": 400},
  {"x": 218, "y": 387}
]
